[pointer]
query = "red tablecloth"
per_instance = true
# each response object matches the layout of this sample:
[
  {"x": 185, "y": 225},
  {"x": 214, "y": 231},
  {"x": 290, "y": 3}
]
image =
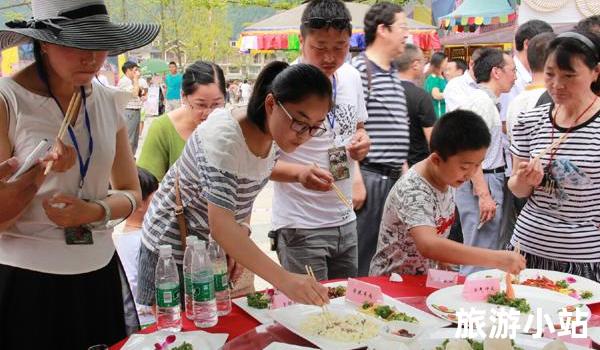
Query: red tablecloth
[{"x": 238, "y": 322}]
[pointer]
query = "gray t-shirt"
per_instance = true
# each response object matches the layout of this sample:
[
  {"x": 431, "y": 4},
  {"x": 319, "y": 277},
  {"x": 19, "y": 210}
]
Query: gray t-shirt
[{"x": 412, "y": 202}]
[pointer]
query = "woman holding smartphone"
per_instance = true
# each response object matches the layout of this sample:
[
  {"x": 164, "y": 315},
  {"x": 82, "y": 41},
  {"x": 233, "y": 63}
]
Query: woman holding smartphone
[{"x": 57, "y": 258}]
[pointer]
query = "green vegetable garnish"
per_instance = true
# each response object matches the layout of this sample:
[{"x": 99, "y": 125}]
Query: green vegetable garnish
[
  {"x": 258, "y": 300},
  {"x": 517, "y": 303},
  {"x": 184, "y": 346},
  {"x": 586, "y": 294},
  {"x": 562, "y": 284}
]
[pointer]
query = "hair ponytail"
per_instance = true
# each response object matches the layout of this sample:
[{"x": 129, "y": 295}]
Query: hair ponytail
[
  {"x": 287, "y": 84},
  {"x": 262, "y": 87}
]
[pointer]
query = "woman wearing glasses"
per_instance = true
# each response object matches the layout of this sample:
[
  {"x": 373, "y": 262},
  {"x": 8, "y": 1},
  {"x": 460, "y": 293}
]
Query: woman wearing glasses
[
  {"x": 223, "y": 167},
  {"x": 203, "y": 90}
]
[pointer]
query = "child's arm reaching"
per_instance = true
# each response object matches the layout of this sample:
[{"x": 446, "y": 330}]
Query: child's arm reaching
[{"x": 434, "y": 247}]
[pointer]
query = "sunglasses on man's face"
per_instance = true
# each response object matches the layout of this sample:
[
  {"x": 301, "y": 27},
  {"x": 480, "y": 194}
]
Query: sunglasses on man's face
[{"x": 319, "y": 22}]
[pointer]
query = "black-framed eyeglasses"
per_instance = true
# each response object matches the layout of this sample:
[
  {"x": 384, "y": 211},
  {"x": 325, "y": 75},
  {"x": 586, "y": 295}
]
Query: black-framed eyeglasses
[
  {"x": 320, "y": 22},
  {"x": 301, "y": 127}
]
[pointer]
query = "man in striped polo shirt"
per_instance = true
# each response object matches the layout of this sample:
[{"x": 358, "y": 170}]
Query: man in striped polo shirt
[
  {"x": 388, "y": 126},
  {"x": 480, "y": 201}
]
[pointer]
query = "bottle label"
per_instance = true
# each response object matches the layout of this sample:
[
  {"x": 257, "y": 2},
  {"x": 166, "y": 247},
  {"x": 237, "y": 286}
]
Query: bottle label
[
  {"x": 166, "y": 297},
  {"x": 187, "y": 279},
  {"x": 204, "y": 291},
  {"x": 221, "y": 282}
]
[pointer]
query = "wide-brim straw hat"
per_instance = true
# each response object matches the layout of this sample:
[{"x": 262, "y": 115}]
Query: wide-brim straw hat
[{"x": 82, "y": 24}]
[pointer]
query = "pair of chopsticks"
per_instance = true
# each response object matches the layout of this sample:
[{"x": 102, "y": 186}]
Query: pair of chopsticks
[
  {"x": 339, "y": 193},
  {"x": 551, "y": 147},
  {"x": 309, "y": 271},
  {"x": 71, "y": 113}
]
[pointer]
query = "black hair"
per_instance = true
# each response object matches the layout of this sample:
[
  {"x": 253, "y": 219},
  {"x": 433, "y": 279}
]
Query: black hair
[
  {"x": 380, "y": 13},
  {"x": 487, "y": 60},
  {"x": 172, "y": 63},
  {"x": 537, "y": 51},
  {"x": 459, "y": 131},
  {"x": 327, "y": 10},
  {"x": 590, "y": 24},
  {"x": 202, "y": 73},
  {"x": 148, "y": 183},
  {"x": 528, "y": 30},
  {"x": 460, "y": 64},
  {"x": 437, "y": 59},
  {"x": 128, "y": 65},
  {"x": 287, "y": 84},
  {"x": 565, "y": 48},
  {"x": 405, "y": 60}
]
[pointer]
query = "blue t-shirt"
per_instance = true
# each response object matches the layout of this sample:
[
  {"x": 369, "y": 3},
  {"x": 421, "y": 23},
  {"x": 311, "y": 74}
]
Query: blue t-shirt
[{"x": 173, "y": 83}]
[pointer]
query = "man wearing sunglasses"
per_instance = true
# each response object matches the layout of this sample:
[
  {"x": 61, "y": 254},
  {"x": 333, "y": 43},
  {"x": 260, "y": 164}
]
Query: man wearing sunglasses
[
  {"x": 311, "y": 223},
  {"x": 385, "y": 33}
]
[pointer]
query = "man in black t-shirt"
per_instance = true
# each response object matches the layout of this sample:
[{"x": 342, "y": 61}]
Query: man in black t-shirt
[{"x": 418, "y": 102}]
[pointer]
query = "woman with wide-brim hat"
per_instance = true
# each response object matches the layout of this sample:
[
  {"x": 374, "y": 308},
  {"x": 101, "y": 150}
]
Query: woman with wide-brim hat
[{"x": 61, "y": 285}]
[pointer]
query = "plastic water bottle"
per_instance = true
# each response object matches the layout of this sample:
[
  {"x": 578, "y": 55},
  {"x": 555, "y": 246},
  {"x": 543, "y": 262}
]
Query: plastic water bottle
[
  {"x": 205, "y": 305},
  {"x": 187, "y": 277},
  {"x": 166, "y": 281},
  {"x": 219, "y": 263}
]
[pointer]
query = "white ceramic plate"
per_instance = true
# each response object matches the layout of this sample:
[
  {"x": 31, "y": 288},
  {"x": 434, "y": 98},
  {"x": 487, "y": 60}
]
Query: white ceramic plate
[
  {"x": 283, "y": 346},
  {"x": 291, "y": 317},
  {"x": 581, "y": 284},
  {"x": 594, "y": 335},
  {"x": 430, "y": 340},
  {"x": 198, "y": 340},
  {"x": 548, "y": 301},
  {"x": 426, "y": 320},
  {"x": 263, "y": 315}
]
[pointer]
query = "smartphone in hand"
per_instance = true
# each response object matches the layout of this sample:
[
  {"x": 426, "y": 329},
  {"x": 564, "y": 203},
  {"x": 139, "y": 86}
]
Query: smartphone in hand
[{"x": 40, "y": 151}]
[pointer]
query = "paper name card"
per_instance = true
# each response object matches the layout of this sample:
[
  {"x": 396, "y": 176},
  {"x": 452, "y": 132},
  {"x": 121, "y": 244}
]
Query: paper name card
[
  {"x": 279, "y": 300},
  {"x": 360, "y": 292},
  {"x": 581, "y": 340},
  {"x": 480, "y": 289},
  {"x": 441, "y": 278}
]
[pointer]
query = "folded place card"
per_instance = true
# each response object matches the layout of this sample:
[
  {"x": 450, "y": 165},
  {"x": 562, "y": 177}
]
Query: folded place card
[
  {"x": 360, "y": 292},
  {"x": 279, "y": 300},
  {"x": 441, "y": 279},
  {"x": 480, "y": 289}
]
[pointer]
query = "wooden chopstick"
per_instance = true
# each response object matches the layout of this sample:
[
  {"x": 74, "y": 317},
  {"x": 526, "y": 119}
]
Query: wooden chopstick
[
  {"x": 71, "y": 112},
  {"x": 518, "y": 250},
  {"x": 339, "y": 192},
  {"x": 552, "y": 146},
  {"x": 309, "y": 271}
]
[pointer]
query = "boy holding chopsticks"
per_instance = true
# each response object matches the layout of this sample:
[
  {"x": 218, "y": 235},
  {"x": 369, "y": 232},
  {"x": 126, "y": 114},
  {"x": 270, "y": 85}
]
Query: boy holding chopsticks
[{"x": 419, "y": 210}]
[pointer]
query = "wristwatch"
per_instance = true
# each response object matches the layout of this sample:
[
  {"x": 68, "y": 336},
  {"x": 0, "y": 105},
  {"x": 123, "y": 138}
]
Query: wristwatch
[{"x": 107, "y": 215}]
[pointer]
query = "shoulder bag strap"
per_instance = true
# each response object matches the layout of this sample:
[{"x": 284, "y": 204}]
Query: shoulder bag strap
[{"x": 179, "y": 212}]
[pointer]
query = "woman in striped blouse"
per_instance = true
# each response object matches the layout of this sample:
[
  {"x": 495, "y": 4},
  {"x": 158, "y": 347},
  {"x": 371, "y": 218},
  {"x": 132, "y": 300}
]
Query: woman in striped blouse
[
  {"x": 224, "y": 165},
  {"x": 556, "y": 152}
]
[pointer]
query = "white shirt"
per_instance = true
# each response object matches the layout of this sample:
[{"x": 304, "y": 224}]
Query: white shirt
[
  {"x": 482, "y": 103},
  {"x": 246, "y": 90},
  {"x": 126, "y": 84},
  {"x": 34, "y": 242},
  {"x": 523, "y": 78},
  {"x": 524, "y": 102},
  {"x": 458, "y": 91},
  {"x": 298, "y": 207}
]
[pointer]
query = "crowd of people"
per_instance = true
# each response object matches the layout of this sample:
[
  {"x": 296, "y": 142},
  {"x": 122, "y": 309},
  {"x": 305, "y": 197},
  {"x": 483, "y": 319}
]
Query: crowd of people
[{"x": 375, "y": 161}]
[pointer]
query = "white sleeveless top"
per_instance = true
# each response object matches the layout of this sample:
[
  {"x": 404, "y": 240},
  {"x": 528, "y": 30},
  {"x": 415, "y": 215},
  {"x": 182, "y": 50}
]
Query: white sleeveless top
[{"x": 34, "y": 242}]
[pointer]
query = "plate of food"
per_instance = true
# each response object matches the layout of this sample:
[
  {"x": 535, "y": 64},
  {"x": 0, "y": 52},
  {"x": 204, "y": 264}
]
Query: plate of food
[
  {"x": 527, "y": 301},
  {"x": 194, "y": 340},
  {"x": 445, "y": 339},
  {"x": 581, "y": 288},
  {"x": 391, "y": 309},
  {"x": 338, "y": 328},
  {"x": 258, "y": 304}
]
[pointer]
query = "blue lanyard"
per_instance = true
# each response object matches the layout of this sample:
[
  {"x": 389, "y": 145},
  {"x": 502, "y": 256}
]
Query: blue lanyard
[
  {"x": 83, "y": 166},
  {"x": 331, "y": 116}
]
